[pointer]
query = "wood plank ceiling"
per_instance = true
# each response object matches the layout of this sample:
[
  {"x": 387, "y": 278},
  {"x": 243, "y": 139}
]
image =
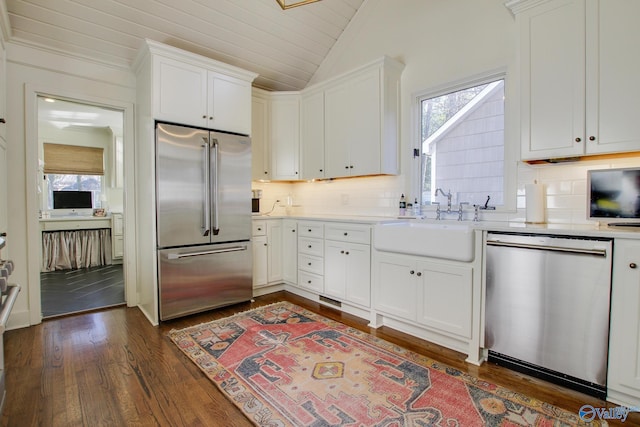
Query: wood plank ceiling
[{"x": 284, "y": 47}]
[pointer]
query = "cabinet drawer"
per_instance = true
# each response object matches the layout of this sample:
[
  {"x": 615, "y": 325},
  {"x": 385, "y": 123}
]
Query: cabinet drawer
[
  {"x": 311, "y": 229},
  {"x": 259, "y": 228},
  {"x": 310, "y": 246},
  {"x": 349, "y": 233},
  {"x": 310, "y": 263},
  {"x": 310, "y": 281}
]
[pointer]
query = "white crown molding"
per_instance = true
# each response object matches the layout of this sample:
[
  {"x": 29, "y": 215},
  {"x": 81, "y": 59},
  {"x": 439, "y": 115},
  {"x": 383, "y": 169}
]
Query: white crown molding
[{"x": 519, "y": 6}]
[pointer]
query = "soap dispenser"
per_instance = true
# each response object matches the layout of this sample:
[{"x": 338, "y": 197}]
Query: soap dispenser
[{"x": 403, "y": 206}]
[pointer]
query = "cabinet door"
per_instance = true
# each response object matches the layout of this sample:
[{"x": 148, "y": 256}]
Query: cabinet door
[
  {"x": 180, "y": 92},
  {"x": 289, "y": 251},
  {"x": 274, "y": 252},
  {"x": 612, "y": 90},
  {"x": 229, "y": 104},
  {"x": 553, "y": 79},
  {"x": 624, "y": 340},
  {"x": 312, "y": 136},
  {"x": 260, "y": 152},
  {"x": 337, "y": 112},
  {"x": 259, "y": 261},
  {"x": 335, "y": 269},
  {"x": 285, "y": 137},
  {"x": 364, "y": 145},
  {"x": 394, "y": 286},
  {"x": 445, "y": 297},
  {"x": 358, "y": 274}
]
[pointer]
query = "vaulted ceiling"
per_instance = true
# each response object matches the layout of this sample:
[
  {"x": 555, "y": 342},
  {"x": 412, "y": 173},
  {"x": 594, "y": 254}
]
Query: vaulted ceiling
[{"x": 285, "y": 47}]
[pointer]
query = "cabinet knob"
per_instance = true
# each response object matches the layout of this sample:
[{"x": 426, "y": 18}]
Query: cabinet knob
[
  {"x": 4, "y": 121},
  {"x": 419, "y": 274},
  {"x": 265, "y": 244},
  {"x": 210, "y": 117},
  {"x": 309, "y": 281},
  {"x": 308, "y": 263},
  {"x": 412, "y": 272},
  {"x": 578, "y": 139},
  {"x": 351, "y": 167},
  {"x": 341, "y": 252},
  {"x": 346, "y": 234},
  {"x": 346, "y": 167},
  {"x": 346, "y": 253},
  {"x": 259, "y": 229},
  {"x": 293, "y": 231},
  {"x": 266, "y": 173},
  {"x": 309, "y": 246},
  {"x": 592, "y": 138},
  {"x": 633, "y": 265},
  {"x": 309, "y": 230},
  {"x": 321, "y": 170},
  {"x": 204, "y": 116}
]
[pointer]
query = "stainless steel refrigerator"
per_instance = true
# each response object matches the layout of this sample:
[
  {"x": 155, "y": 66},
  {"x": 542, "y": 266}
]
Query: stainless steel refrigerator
[{"x": 203, "y": 197}]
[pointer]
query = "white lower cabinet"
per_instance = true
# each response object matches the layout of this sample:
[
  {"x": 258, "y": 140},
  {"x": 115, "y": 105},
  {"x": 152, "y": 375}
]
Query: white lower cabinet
[
  {"x": 290, "y": 251},
  {"x": 310, "y": 256},
  {"x": 623, "y": 381},
  {"x": 259, "y": 261},
  {"x": 267, "y": 252},
  {"x": 427, "y": 294},
  {"x": 347, "y": 271},
  {"x": 444, "y": 297},
  {"x": 395, "y": 286}
]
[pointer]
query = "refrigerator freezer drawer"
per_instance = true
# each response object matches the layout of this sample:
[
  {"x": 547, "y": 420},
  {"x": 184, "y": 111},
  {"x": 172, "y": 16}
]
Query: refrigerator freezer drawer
[{"x": 199, "y": 278}]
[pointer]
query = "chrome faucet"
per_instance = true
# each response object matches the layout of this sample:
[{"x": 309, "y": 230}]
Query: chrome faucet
[
  {"x": 437, "y": 210},
  {"x": 460, "y": 210},
  {"x": 448, "y": 196}
]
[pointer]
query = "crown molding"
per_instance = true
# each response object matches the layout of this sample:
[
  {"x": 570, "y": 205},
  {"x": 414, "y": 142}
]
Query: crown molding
[{"x": 519, "y": 6}]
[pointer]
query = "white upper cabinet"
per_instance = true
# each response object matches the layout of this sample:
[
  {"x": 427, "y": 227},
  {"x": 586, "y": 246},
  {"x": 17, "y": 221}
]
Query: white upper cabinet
[
  {"x": 361, "y": 121},
  {"x": 312, "y": 135},
  {"x": 285, "y": 136},
  {"x": 193, "y": 90},
  {"x": 260, "y": 147},
  {"x": 579, "y": 95}
]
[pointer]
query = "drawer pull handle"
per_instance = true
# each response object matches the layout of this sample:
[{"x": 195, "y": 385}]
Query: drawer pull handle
[{"x": 633, "y": 265}]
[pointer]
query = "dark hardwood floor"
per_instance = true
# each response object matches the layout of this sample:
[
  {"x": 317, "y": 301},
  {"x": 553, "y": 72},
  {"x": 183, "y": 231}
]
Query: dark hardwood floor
[
  {"x": 113, "y": 368},
  {"x": 72, "y": 291}
]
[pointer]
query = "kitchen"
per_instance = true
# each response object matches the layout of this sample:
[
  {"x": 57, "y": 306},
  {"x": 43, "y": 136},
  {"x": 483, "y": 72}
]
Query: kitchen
[{"x": 487, "y": 24}]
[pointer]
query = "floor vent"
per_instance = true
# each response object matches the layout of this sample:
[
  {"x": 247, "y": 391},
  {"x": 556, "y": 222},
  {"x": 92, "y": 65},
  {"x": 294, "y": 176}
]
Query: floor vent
[{"x": 330, "y": 301}]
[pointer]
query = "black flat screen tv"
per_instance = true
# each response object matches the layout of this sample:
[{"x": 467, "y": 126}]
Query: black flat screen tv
[
  {"x": 614, "y": 194},
  {"x": 72, "y": 200}
]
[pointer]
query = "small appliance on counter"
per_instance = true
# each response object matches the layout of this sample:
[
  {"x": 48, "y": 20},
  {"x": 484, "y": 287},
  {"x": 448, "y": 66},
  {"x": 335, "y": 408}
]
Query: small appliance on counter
[{"x": 256, "y": 195}]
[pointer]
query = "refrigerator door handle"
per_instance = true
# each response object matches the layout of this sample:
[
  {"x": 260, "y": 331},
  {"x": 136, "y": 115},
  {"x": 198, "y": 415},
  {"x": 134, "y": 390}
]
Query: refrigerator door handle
[
  {"x": 214, "y": 179},
  {"x": 206, "y": 228},
  {"x": 212, "y": 252}
]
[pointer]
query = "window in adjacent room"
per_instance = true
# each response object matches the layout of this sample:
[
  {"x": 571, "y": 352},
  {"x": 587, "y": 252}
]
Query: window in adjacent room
[
  {"x": 74, "y": 168},
  {"x": 462, "y": 143}
]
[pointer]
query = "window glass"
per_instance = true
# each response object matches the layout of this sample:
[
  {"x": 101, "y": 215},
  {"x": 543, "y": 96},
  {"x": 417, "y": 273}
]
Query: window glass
[
  {"x": 462, "y": 144},
  {"x": 91, "y": 183}
]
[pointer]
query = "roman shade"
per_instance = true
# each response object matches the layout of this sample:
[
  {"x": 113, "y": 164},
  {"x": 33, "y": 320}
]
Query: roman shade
[{"x": 73, "y": 160}]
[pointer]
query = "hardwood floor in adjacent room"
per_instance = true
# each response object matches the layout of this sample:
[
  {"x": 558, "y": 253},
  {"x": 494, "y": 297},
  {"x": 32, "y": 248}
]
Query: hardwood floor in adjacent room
[
  {"x": 114, "y": 368},
  {"x": 72, "y": 291}
]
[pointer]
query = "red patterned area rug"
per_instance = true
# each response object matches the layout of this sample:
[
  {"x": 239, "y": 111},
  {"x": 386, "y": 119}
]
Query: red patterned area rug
[{"x": 283, "y": 365}]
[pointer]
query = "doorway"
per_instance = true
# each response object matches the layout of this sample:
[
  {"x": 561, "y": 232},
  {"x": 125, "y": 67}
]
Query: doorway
[{"x": 81, "y": 206}]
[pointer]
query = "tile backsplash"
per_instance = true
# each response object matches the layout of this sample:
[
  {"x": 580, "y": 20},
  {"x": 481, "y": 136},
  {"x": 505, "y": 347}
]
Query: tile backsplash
[{"x": 566, "y": 188}]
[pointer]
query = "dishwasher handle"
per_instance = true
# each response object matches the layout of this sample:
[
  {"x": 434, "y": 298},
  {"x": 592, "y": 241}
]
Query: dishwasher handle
[{"x": 551, "y": 248}]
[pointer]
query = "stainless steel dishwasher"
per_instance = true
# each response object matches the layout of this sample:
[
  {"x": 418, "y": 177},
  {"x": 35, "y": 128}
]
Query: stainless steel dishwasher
[{"x": 547, "y": 311}]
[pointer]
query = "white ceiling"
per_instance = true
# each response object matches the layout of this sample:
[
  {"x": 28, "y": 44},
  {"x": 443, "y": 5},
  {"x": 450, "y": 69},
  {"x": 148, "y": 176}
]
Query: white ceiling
[{"x": 284, "y": 47}]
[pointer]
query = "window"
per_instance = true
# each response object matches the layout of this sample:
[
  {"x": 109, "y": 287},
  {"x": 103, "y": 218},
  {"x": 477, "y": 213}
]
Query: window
[
  {"x": 462, "y": 143},
  {"x": 91, "y": 183}
]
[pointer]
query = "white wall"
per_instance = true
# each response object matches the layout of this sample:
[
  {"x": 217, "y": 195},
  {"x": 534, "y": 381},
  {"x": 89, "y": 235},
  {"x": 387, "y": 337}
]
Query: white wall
[
  {"x": 28, "y": 71},
  {"x": 439, "y": 42}
]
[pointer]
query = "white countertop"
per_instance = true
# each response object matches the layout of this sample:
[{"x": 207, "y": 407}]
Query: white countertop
[{"x": 589, "y": 230}]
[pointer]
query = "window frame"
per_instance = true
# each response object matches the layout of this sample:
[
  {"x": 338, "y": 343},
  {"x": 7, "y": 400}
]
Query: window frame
[{"x": 511, "y": 143}]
